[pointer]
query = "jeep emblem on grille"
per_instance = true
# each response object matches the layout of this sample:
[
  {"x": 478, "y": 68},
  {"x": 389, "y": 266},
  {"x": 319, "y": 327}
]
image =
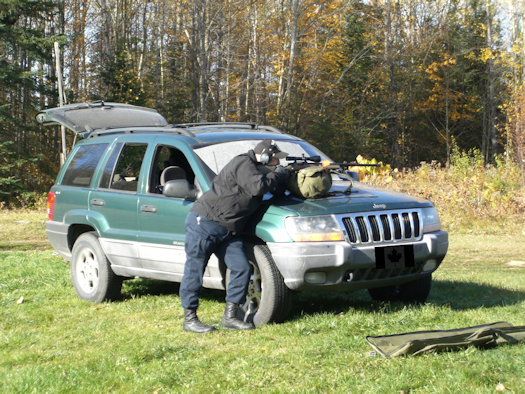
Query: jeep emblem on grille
[{"x": 379, "y": 206}]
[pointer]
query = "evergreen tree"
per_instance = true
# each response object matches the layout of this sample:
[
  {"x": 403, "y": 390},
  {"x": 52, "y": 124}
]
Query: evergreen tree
[
  {"x": 121, "y": 80},
  {"x": 25, "y": 52}
]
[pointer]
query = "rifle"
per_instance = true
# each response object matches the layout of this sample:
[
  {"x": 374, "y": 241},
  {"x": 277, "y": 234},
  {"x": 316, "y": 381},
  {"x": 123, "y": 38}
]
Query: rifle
[
  {"x": 303, "y": 161},
  {"x": 318, "y": 183}
]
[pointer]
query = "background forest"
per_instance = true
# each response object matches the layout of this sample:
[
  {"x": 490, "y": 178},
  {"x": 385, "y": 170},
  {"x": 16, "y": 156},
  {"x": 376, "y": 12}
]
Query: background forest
[{"x": 402, "y": 81}]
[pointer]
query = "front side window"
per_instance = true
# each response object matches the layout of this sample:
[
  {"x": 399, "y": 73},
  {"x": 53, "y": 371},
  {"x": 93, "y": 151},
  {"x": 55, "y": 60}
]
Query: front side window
[
  {"x": 169, "y": 163},
  {"x": 127, "y": 170},
  {"x": 83, "y": 165}
]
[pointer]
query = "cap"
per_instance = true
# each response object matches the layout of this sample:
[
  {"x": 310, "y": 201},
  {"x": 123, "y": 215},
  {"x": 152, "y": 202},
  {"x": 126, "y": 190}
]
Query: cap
[{"x": 269, "y": 147}]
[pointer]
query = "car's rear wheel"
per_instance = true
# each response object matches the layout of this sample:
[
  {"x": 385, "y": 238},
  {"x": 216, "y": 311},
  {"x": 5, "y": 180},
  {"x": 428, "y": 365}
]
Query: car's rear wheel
[
  {"x": 91, "y": 272},
  {"x": 268, "y": 298},
  {"x": 416, "y": 291}
]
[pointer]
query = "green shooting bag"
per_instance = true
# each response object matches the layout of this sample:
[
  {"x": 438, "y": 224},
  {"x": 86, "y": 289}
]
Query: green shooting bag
[
  {"x": 414, "y": 343},
  {"x": 310, "y": 182}
]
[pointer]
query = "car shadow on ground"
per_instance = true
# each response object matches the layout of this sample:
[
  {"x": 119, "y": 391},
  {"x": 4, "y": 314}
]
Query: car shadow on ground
[
  {"x": 136, "y": 288},
  {"x": 453, "y": 294},
  {"x": 471, "y": 295}
]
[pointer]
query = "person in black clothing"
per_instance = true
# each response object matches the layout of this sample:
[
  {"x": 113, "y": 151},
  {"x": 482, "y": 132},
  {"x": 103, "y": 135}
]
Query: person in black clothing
[{"x": 213, "y": 226}]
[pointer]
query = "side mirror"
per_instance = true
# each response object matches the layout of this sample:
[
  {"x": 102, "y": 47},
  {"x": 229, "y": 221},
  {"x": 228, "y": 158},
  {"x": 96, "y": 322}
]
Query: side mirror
[{"x": 180, "y": 188}]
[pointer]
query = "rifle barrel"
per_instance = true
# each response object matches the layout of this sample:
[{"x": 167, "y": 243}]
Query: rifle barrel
[
  {"x": 353, "y": 164},
  {"x": 315, "y": 159},
  {"x": 302, "y": 160}
]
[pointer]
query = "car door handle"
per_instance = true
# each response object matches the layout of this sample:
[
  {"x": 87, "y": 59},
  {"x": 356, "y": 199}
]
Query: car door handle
[
  {"x": 98, "y": 202},
  {"x": 148, "y": 208}
]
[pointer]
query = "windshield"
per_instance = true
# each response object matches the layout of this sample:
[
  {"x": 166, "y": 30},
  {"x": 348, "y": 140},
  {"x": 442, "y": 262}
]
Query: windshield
[{"x": 216, "y": 156}]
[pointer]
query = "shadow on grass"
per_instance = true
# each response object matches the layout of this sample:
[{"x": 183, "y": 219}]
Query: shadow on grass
[
  {"x": 455, "y": 295},
  {"x": 24, "y": 246},
  {"x": 470, "y": 295},
  {"x": 135, "y": 288}
]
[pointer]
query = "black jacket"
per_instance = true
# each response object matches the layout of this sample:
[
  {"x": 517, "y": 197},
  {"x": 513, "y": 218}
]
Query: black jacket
[{"x": 237, "y": 191}]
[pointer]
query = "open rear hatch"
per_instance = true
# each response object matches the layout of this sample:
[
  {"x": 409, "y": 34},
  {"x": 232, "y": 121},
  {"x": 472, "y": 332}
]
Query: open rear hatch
[{"x": 85, "y": 118}]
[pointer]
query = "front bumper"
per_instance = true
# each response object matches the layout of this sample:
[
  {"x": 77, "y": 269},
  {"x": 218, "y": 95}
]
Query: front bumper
[{"x": 346, "y": 268}]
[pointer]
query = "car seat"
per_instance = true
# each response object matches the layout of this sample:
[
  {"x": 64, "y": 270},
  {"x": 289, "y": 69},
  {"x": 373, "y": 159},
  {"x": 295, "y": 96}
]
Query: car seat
[{"x": 170, "y": 173}]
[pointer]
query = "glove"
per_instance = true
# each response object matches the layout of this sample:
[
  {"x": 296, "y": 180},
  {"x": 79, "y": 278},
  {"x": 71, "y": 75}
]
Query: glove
[
  {"x": 282, "y": 174},
  {"x": 282, "y": 171}
]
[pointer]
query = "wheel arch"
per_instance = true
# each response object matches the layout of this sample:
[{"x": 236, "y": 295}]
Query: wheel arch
[
  {"x": 82, "y": 221},
  {"x": 75, "y": 231}
]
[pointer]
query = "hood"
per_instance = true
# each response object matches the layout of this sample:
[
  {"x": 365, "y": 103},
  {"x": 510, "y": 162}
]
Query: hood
[
  {"x": 267, "y": 223},
  {"x": 84, "y": 118},
  {"x": 362, "y": 198}
]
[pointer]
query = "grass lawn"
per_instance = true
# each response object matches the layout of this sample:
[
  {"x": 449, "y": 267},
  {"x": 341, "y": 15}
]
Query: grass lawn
[{"x": 51, "y": 341}]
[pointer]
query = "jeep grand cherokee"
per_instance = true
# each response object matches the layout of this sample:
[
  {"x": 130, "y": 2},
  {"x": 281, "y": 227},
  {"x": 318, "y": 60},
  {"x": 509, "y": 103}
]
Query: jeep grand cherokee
[{"x": 118, "y": 207}]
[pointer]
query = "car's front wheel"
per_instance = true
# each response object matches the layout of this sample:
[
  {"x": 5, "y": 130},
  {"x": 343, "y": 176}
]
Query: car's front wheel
[
  {"x": 91, "y": 272},
  {"x": 268, "y": 298},
  {"x": 411, "y": 292}
]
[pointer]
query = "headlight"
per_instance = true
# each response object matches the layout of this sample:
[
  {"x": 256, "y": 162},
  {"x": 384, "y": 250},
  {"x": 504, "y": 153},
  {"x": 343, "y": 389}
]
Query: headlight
[
  {"x": 313, "y": 228},
  {"x": 430, "y": 220}
]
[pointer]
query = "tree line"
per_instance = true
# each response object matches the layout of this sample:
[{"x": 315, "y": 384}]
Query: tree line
[{"x": 403, "y": 81}]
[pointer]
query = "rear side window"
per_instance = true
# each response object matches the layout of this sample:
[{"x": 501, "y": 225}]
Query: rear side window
[
  {"x": 107, "y": 175},
  {"x": 82, "y": 167},
  {"x": 127, "y": 171}
]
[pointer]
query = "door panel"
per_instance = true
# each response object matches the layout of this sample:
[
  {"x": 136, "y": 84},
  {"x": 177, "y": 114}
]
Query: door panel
[
  {"x": 162, "y": 233},
  {"x": 116, "y": 201},
  {"x": 121, "y": 224},
  {"x": 162, "y": 222}
]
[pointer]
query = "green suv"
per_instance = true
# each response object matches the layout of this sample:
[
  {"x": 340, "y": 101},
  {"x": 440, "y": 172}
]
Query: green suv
[{"x": 118, "y": 207}]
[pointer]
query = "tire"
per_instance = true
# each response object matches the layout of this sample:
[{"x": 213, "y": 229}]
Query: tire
[
  {"x": 268, "y": 299},
  {"x": 91, "y": 272},
  {"x": 415, "y": 292}
]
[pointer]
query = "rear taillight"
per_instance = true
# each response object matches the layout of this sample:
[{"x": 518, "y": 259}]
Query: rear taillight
[{"x": 50, "y": 205}]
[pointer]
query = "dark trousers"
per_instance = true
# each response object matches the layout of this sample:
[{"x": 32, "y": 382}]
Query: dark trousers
[{"x": 204, "y": 237}]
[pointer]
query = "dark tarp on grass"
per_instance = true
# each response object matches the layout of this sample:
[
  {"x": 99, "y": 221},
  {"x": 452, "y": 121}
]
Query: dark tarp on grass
[{"x": 414, "y": 343}]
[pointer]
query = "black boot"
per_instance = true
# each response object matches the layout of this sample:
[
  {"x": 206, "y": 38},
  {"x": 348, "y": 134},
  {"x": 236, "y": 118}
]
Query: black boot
[
  {"x": 193, "y": 324},
  {"x": 230, "y": 320}
]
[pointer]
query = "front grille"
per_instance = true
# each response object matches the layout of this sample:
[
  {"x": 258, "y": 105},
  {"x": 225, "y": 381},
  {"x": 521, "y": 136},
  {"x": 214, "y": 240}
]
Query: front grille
[{"x": 382, "y": 227}]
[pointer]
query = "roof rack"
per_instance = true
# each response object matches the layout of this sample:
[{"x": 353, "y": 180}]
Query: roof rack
[
  {"x": 223, "y": 125},
  {"x": 186, "y": 129},
  {"x": 168, "y": 129}
]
